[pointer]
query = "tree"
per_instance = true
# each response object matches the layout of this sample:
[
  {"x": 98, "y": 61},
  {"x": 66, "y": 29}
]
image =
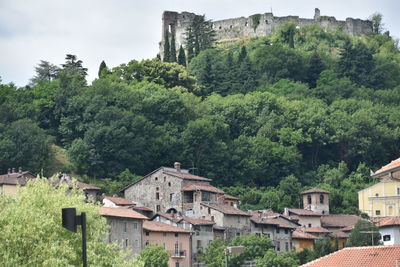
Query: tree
[
  {"x": 172, "y": 53},
  {"x": 102, "y": 69},
  {"x": 181, "y": 56},
  {"x": 73, "y": 66},
  {"x": 364, "y": 233},
  {"x": 45, "y": 71},
  {"x": 377, "y": 25},
  {"x": 32, "y": 234},
  {"x": 154, "y": 256},
  {"x": 270, "y": 259},
  {"x": 199, "y": 35},
  {"x": 167, "y": 49},
  {"x": 214, "y": 253}
]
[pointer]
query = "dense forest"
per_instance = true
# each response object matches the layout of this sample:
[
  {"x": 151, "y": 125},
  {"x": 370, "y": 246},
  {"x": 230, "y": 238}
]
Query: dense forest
[{"x": 264, "y": 118}]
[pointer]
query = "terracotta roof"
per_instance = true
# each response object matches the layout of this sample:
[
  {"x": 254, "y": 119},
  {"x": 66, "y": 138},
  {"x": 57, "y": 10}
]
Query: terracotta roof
[
  {"x": 304, "y": 212},
  {"x": 387, "y": 256},
  {"x": 169, "y": 216},
  {"x": 140, "y": 208},
  {"x": 87, "y": 186},
  {"x": 119, "y": 201},
  {"x": 339, "y": 234},
  {"x": 154, "y": 226},
  {"x": 314, "y": 190},
  {"x": 300, "y": 234},
  {"x": 121, "y": 212},
  {"x": 196, "y": 221},
  {"x": 392, "y": 165},
  {"x": 203, "y": 187},
  {"x": 316, "y": 230},
  {"x": 347, "y": 229},
  {"x": 339, "y": 220},
  {"x": 226, "y": 209},
  {"x": 223, "y": 197},
  {"x": 271, "y": 221},
  {"x": 16, "y": 178},
  {"x": 389, "y": 221},
  {"x": 187, "y": 176}
]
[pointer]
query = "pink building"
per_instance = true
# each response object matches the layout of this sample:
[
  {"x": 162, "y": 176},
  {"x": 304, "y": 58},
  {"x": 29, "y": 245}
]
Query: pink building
[{"x": 174, "y": 239}]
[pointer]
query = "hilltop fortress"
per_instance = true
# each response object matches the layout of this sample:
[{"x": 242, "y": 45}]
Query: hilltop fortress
[{"x": 256, "y": 25}]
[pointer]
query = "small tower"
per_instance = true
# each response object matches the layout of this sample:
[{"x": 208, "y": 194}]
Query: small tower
[
  {"x": 317, "y": 14},
  {"x": 316, "y": 200}
]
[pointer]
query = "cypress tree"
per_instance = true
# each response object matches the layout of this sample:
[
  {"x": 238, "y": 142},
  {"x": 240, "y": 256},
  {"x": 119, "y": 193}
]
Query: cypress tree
[
  {"x": 242, "y": 54},
  {"x": 181, "y": 57},
  {"x": 102, "y": 67},
  {"x": 172, "y": 54},
  {"x": 166, "y": 47}
]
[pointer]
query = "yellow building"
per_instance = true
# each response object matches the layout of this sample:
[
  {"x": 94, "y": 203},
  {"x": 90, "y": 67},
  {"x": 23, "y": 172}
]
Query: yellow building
[
  {"x": 9, "y": 182},
  {"x": 382, "y": 199}
]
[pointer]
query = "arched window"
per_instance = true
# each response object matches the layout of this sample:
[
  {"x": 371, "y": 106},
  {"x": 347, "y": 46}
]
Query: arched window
[
  {"x": 309, "y": 199},
  {"x": 321, "y": 199}
]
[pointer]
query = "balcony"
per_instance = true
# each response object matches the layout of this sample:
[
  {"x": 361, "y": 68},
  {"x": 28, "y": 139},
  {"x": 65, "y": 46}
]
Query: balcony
[{"x": 178, "y": 253}]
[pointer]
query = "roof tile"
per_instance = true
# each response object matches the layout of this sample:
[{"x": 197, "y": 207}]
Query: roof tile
[
  {"x": 202, "y": 187},
  {"x": 154, "y": 226},
  {"x": 121, "y": 212}
]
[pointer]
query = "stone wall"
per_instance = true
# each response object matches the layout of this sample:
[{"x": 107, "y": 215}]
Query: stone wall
[{"x": 234, "y": 28}]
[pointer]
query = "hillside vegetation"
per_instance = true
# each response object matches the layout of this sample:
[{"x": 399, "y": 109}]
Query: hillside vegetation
[{"x": 300, "y": 108}]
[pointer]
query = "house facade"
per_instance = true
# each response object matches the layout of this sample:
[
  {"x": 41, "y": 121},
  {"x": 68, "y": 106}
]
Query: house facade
[
  {"x": 382, "y": 199},
  {"x": 10, "y": 182},
  {"x": 389, "y": 228}
]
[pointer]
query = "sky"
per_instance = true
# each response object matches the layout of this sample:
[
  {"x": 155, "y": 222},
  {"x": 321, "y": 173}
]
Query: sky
[{"x": 121, "y": 30}]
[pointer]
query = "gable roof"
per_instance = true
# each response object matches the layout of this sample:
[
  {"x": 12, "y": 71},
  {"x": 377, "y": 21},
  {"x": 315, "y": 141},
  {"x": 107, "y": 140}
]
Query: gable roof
[
  {"x": 187, "y": 176},
  {"x": 339, "y": 220},
  {"x": 196, "y": 221},
  {"x": 395, "y": 164},
  {"x": 300, "y": 234},
  {"x": 119, "y": 201},
  {"x": 154, "y": 226},
  {"x": 388, "y": 256},
  {"x": 271, "y": 221},
  {"x": 122, "y": 213},
  {"x": 226, "y": 209},
  {"x": 202, "y": 187},
  {"x": 134, "y": 207},
  {"x": 389, "y": 221},
  {"x": 16, "y": 178},
  {"x": 303, "y": 212},
  {"x": 316, "y": 230},
  {"x": 314, "y": 190},
  {"x": 339, "y": 234},
  {"x": 168, "y": 216}
]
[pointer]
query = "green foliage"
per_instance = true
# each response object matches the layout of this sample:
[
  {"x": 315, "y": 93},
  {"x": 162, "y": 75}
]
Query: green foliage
[
  {"x": 167, "y": 49},
  {"x": 270, "y": 258},
  {"x": 172, "y": 54},
  {"x": 181, "y": 56},
  {"x": 214, "y": 253},
  {"x": 377, "y": 25},
  {"x": 364, "y": 233},
  {"x": 256, "y": 20},
  {"x": 153, "y": 256},
  {"x": 45, "y": 71},
  {"x": 102, "y": 69},
  {"x": 199, "y": 36},
  {"x": 32, "y": 234}
]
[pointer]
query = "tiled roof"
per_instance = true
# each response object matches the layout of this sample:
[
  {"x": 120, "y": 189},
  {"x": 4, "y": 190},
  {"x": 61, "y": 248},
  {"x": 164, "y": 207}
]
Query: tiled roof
[
  {"x": 304, "y": 212},
  {"x": 347, "y": 229},
  {"x": 314, "y": 190},
  {"x": 300, "y": 234},
  {"x": 162, "y": 227},
  {"x": 119, "y": 201},
  {"x": 225, "y": 196},
  {"x": 87, "y": 186},
  {"x": 16, "y": 178},
  {"x": 169, "y": 216},
  {"x": 140, "y": 208},
  {"x": 389, "y": 221},
  {"x": 203, "y": 187},
  {"x": 218, "y": 228},
  {"x": 187, "y": 176},
  {"x": 271, "y": 221},
  {"x": 339, "y": 220},
  {"x": 339, "y": 234},
  {"x": 196, "y": 221},
  {"x": 121, "y": 212},
  {"x": 316, "y": 230},
  {"x": 226, "y": 209},
  {"x": 392, "y": 165},
  {"x": 382, "y": 256}
]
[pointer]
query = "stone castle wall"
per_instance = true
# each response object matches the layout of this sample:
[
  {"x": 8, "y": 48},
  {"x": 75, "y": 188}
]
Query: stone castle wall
[{"x": 228, "y": 29}]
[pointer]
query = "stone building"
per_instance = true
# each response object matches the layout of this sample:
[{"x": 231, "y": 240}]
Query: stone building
[
  {"x": 174, "y": 239},
  {"x": 316, "y": 200},
  {"x": 9, "y": 182},
  {"x": 304, "y": 217},
  {"x": 233, "y": 29},
  {"x": 125, "y": 227}
]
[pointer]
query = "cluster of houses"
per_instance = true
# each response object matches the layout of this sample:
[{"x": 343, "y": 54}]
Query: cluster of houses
[{"x": 184, "y": 213}]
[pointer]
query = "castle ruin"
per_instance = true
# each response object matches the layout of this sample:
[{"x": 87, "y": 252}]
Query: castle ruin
[{"x": 256, "y": 25}]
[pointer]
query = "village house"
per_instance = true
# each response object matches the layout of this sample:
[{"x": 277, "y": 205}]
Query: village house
[
  {"x": 382, "y": 199},
  {"x": 89, "y": 190},
  {"x": 339, "y": 221},
  {"x": 389, "y": 228},
  {"x": 228, "y": 200},
  {"x": 302, "y": 240},
  {"x": 126, "y": 227},
  {"x": 10, "y": 182},
  {"x": 112, "y": 202},
  {"x": 174, "y": 239},
  {"x": 304, "y": 217}
]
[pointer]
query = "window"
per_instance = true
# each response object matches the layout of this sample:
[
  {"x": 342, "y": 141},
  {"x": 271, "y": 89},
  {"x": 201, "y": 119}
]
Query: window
[
  {"x": 171, "y": 196},
  {"x": 176, "y": 247},
  {"x": 377, "y": 195},
  {"x": 209, "y": 210},
  {"x": 134, "y": 225},
  {"x": 147, "y": 242},
  {"x": 205, "y": 196},
  {"x": 157, "y": 196},
  {"x": 278, "y": 246},
  {"x": 164, "y": 234},
  {"x": 176, "y": 235},
  {"x": 198, "y": 243},
  {"x": 286, "y": 231},
  {"x": 238, "y": 219},
  {"x": 237, "y": 234},
  {"x": 398, "y": 191},
  {"x": 157, "y": 188},
  {"x": 390, "y": 211},
  {"x": 177, "y": 264},
  {"x": 158, "y": 208},
  {"x": 165, "y": 178},
  {"x": 212, "y": 218},
  {"x": 309, "y": 225},
  {"x": 125, "y": 227},
  {"x": 156, "y": 178},
  {"x": 147, "y": 233},
  {"x": 277, "y": 230},
  {"x": 321, "y": 199},
  {"x": 245, "y": 24},
  {"x": 309, "y": 199},
  {"x": 377, "y": 212},
  {"x": 386, "y": 238},
  {"x": 169, "y": 183},
  {"x": 126, "y": 242},
  {"x": 287, "y": 246},
  {"x": 266, "y": 21}
]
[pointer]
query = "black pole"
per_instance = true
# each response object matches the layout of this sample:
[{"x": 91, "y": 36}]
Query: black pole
[{"x": 84, "y": 256}]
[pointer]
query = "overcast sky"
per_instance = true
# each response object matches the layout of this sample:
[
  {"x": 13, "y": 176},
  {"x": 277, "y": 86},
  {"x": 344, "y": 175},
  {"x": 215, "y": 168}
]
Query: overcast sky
[{"x": 121, "y": 30}]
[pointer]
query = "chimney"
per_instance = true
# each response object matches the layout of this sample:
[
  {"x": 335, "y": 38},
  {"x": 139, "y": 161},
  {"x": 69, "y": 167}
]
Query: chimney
[
  {"x": 9, "y": 171},
  {"x": 177, "y": 166},
  {"x": 286, "y": 211},
  {"x": 13, "y": 170},
  {"x": 20, "y": 170}
]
